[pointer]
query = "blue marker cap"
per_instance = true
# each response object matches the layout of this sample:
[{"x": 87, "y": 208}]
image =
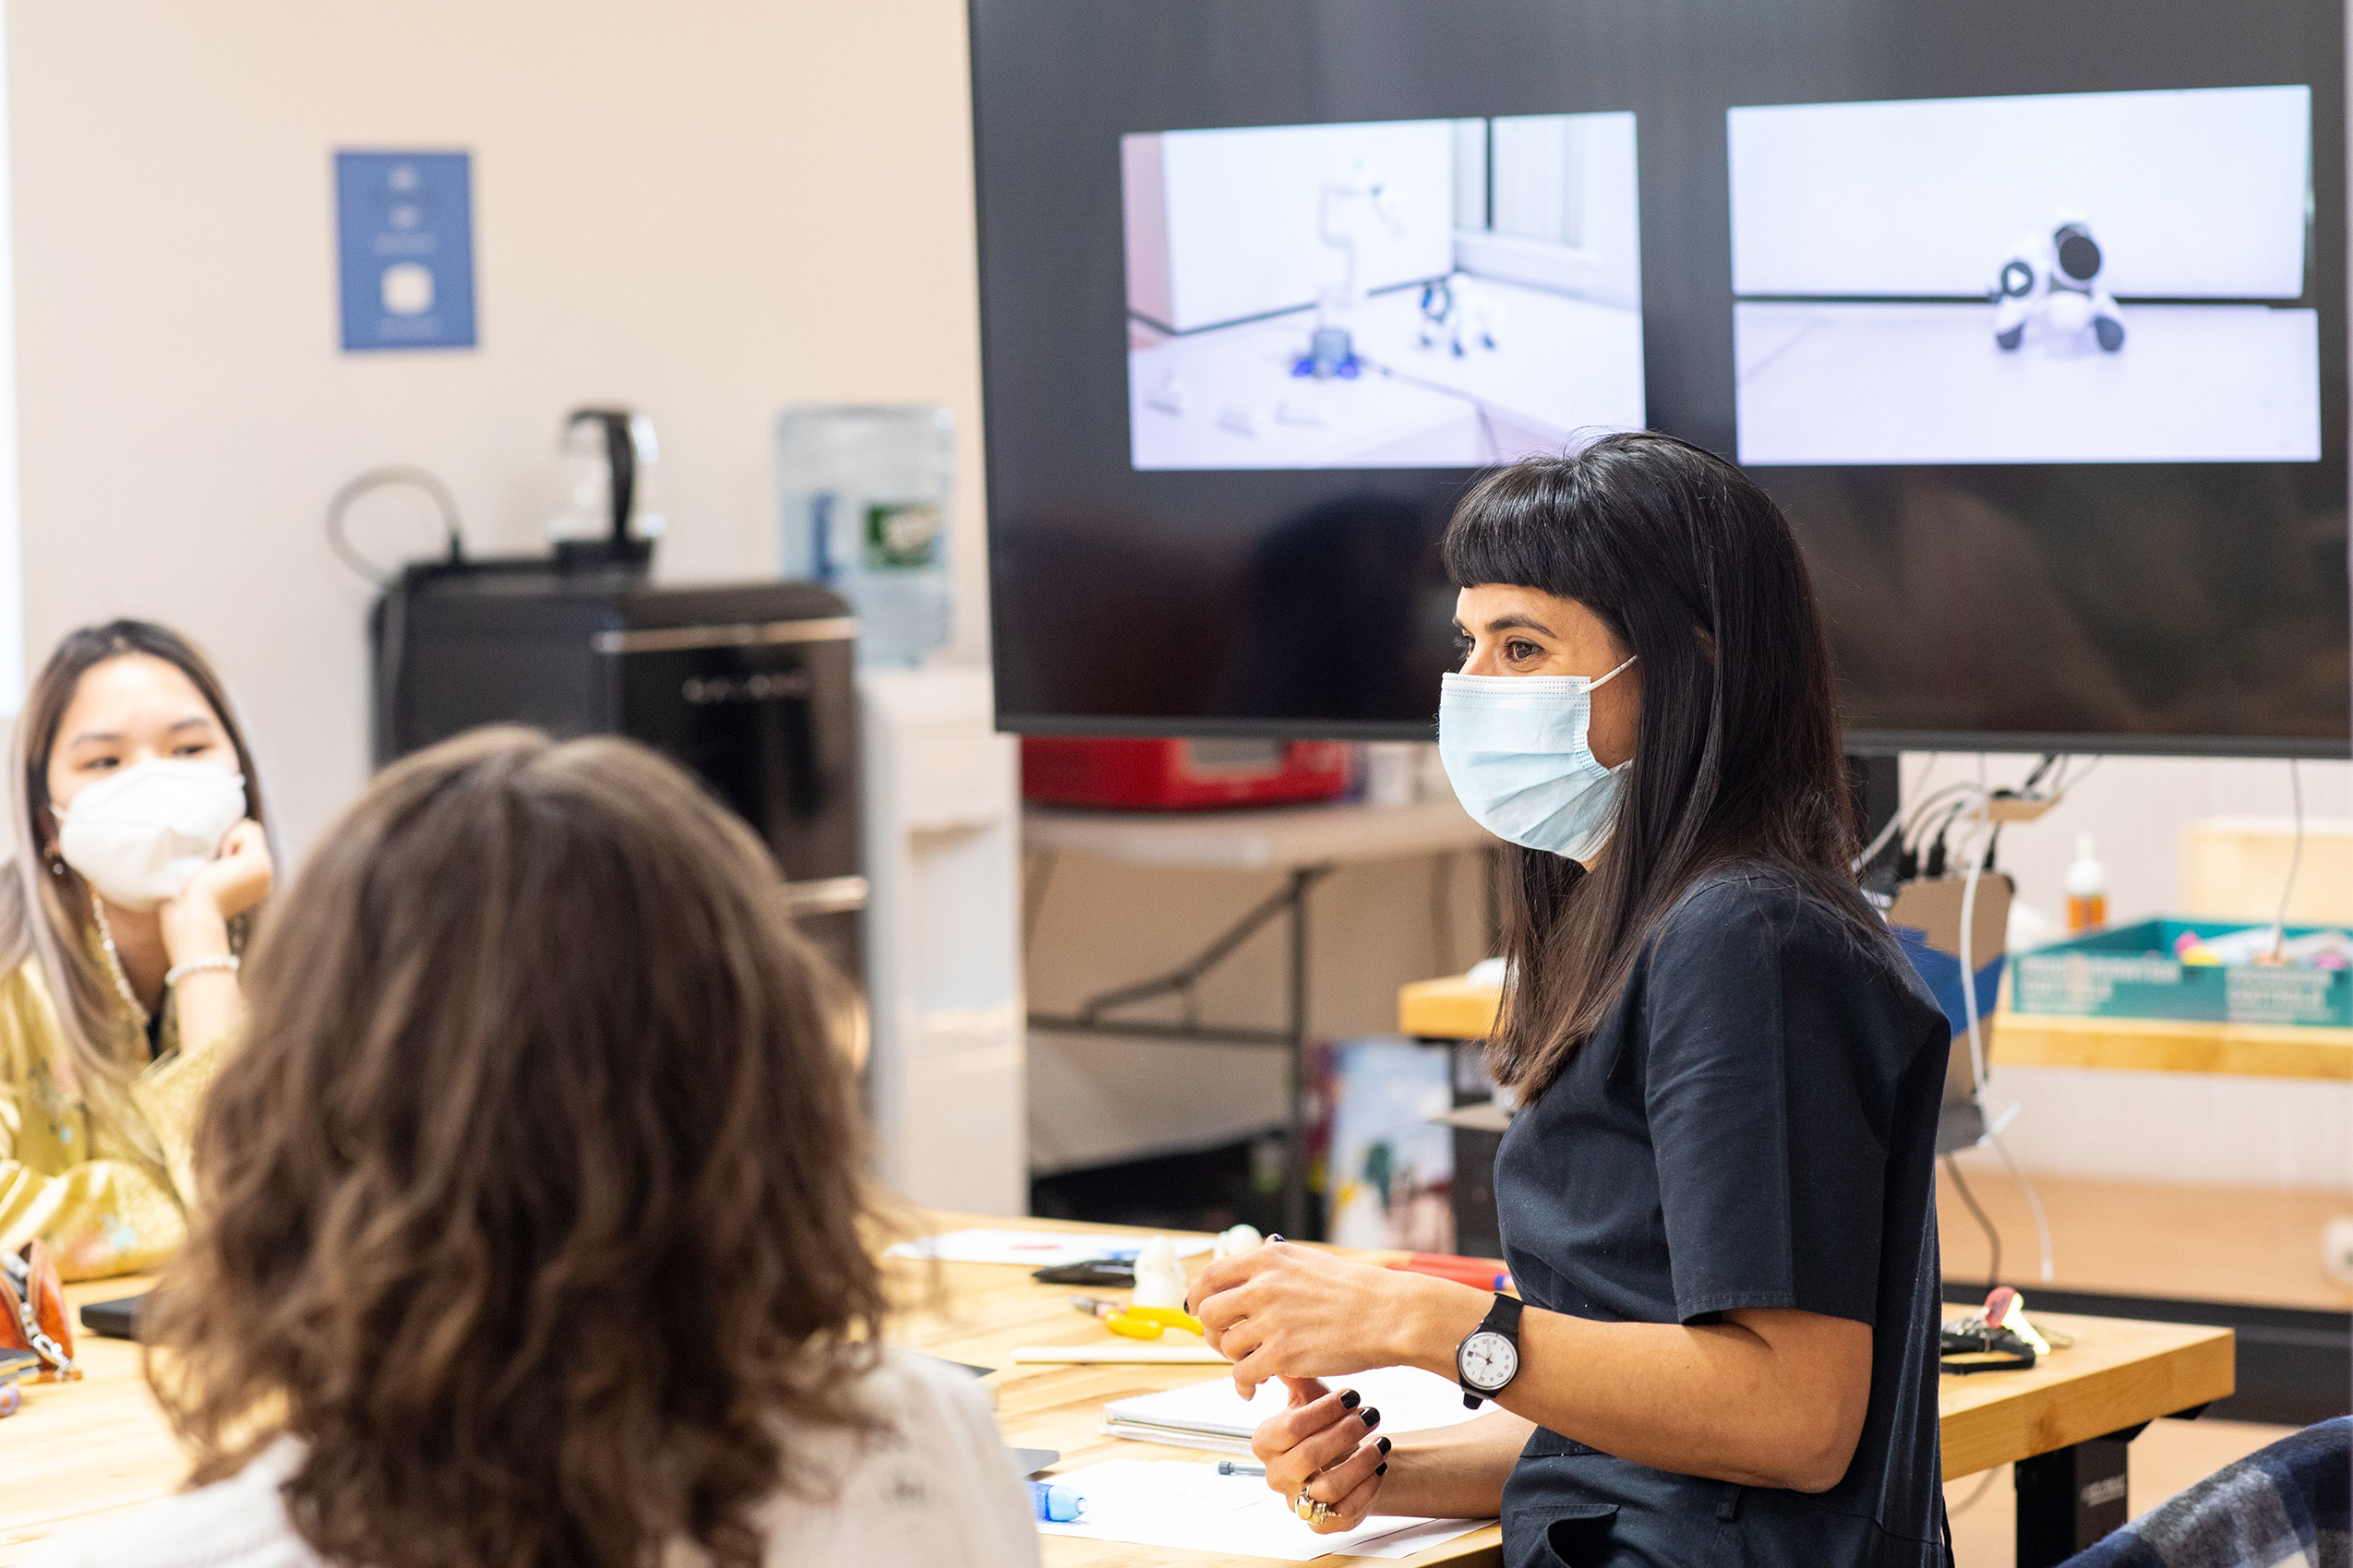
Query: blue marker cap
[{"x": 1057, "y": 1505}]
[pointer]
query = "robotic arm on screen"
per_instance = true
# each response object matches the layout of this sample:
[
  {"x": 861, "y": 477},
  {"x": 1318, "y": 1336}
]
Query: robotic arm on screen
[
  {"x": 1362, "y": 184},
  {"x": 1341, "y": 204},
  {"x": 2056, "y": 282}
]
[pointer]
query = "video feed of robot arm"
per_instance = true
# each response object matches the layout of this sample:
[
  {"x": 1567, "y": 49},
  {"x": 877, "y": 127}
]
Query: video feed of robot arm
[
  {"x": 2054, "y": 280},
  {"x": 1332, "y": 349}
]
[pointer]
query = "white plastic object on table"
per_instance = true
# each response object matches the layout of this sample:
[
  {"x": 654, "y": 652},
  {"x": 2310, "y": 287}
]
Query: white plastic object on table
[
  {"x": 1159, "y": 1277},
  {"x": 1235, "y": 1241},
  {"x": 2336, "y": 1248}
]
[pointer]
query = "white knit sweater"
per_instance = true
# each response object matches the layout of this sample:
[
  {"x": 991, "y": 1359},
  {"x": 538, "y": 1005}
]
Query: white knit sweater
[{"x": 939, "y": 1488}]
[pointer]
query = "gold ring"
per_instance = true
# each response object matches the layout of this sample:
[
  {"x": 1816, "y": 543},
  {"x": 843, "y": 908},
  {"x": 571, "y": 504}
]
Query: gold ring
[{"x": 1313, "y": 1509}]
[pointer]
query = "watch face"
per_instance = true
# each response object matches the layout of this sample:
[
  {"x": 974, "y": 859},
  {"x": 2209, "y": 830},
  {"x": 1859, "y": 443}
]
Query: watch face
[{"x": 1487, "y": 1359}]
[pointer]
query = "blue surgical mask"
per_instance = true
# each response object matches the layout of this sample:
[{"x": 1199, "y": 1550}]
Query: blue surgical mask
[{"x": 1518, "y": 753}]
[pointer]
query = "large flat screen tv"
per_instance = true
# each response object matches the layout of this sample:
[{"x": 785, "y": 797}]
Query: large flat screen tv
[{"x": 2030, "y": 313}]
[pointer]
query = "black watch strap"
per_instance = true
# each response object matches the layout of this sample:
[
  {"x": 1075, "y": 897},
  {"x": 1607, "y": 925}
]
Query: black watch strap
[{"x": 1503, "y": 1318}]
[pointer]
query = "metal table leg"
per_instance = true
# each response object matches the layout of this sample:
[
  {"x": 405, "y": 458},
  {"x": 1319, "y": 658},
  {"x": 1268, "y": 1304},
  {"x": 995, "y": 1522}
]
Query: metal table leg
[
  {"x": 1295, "y": 1149},
  {"x": 2070, "y": 1497},
  {"x": 1290, "y": 900}
]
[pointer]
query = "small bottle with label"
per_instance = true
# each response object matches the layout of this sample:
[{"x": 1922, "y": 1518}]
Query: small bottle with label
[{"x": 2086, "y": 885}]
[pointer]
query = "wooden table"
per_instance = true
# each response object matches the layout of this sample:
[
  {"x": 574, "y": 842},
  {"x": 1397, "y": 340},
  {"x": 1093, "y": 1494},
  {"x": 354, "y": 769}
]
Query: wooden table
[
  {"x": 81, "y": 1449},
  {"x": 2166, "y": 1044},
  {"x": 1304, "y": 843},
  {"x": 1454, "y": 1008}
]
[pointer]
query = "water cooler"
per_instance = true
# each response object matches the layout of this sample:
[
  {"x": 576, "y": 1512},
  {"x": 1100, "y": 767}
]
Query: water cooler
[{"x": 750, "y": 687}]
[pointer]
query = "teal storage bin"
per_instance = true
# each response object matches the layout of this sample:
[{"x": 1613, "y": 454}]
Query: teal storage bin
[{"x": 2129, "y": 972}]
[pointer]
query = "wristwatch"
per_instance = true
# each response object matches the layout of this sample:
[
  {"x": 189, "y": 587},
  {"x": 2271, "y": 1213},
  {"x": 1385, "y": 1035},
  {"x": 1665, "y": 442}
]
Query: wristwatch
[{"x": 1488, "y": 1357}]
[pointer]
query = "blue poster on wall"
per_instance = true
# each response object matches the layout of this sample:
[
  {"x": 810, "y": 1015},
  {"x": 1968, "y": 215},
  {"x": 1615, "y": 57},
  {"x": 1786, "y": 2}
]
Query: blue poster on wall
[{"x": 405, "y": 226}]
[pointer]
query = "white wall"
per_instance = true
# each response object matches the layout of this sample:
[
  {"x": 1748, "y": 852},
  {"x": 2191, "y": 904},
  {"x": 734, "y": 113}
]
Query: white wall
[
  {"x": 12, "y": 587},
  {"x": 1246, "y": 208},
  {"x": 1144, "y": 224},
  {"x": 2191, "y": 192},
  {"x": 711, "y": 211}
]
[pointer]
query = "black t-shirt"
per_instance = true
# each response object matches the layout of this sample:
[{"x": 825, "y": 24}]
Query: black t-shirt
[{"x": 1754, "y": 1125}]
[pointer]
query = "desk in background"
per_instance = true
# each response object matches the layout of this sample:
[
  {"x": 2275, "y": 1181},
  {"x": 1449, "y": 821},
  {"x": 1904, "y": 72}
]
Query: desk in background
[
  {"x": 78, "y": 1450},
  {"x": 1454, "y": 1008},
  {"x": 2166, "y": 1044},
  {"x": 2234, "y": 870},
  {"x": 1305, "y": 844}
]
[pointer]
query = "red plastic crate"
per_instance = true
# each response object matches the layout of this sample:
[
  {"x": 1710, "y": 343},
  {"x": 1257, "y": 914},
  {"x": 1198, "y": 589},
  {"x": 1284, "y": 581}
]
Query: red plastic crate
[{"x": 1181, "y": 775}]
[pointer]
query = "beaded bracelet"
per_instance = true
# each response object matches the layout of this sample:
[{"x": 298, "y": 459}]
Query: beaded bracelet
[{"x": 173, "y": 976}]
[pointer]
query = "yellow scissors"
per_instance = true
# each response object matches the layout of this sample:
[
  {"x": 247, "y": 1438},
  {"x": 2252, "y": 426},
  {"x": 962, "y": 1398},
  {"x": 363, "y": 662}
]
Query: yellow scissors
[{"x": 1135, "y": 1322}]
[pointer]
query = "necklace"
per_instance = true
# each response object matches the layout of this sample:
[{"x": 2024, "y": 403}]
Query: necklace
[{"x": 114, "y": 964}]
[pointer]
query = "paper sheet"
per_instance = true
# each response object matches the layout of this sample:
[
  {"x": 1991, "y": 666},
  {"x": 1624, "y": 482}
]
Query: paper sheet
[
  {"x": 1033, "y": 1249},
  {"x": 1167, "y": 1502},
  {"x": 1211, "y": 1415}
]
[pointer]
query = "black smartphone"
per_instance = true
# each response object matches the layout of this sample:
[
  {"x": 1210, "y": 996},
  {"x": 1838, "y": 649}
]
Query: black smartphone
[
  {"x": 117, "y": 1318},
  {"x": 1120, "y": 1272}
]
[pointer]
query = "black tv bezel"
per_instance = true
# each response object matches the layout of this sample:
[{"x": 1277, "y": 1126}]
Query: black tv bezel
[
  {"x": 1861, "y": 742},
  {"x": 1858, "y": 742}
]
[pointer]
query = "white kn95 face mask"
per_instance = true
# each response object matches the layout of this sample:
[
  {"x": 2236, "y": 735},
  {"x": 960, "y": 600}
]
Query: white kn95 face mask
[
  {"x": 139, "y": 835},
  {"x": 1518, "y": 753}
]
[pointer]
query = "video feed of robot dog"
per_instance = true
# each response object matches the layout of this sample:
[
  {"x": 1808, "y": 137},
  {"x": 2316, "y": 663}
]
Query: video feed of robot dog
[
  {"x": 1423, "y": 293},
  {"x": 2113, "y": 277}
]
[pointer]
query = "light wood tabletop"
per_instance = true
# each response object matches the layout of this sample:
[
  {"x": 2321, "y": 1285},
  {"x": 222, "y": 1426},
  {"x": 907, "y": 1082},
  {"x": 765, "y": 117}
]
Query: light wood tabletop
[
  {"x": 78, "y": 1450},
  {"x": 2119, "y": 1372},
  {"x": 2168, "y": 1045},
  {"x": 1275, "y": 838},
  {"x": 1453, "y": 1008}
]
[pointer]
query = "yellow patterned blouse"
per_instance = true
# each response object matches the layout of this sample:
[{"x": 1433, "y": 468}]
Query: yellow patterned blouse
[{"x": 103, "y": 1206}]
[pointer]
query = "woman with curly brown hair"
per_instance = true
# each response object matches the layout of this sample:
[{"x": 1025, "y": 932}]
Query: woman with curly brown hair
[{"x": 532, "y": 1214}]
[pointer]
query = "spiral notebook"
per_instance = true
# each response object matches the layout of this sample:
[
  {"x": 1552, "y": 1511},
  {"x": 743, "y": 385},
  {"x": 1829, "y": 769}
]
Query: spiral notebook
[{"x": 1212, "y": 1415}]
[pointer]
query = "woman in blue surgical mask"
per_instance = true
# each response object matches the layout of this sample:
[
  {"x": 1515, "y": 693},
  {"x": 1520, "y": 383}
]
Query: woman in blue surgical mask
[
  {"x": 140, "y": 852},
  {"x": 1717, "y": 1197}
]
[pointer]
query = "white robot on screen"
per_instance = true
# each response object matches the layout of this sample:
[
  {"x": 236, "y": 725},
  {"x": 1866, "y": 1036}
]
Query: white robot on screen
[
  {"x": 2055, "y": 281},
  {"x": 1458, "y": 315}
]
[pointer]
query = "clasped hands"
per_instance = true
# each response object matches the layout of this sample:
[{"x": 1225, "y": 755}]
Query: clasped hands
[{"x": 1298, "y": 1314}]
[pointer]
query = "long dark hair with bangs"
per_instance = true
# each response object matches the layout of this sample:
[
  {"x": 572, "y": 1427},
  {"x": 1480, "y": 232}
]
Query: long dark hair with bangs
[{"x": 1737, "y": 753}]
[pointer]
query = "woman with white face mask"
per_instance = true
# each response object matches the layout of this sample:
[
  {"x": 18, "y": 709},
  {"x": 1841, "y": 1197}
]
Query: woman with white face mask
[
  {"x": 140, "y": 851},
  {"x": 1717, "y": 1197}
]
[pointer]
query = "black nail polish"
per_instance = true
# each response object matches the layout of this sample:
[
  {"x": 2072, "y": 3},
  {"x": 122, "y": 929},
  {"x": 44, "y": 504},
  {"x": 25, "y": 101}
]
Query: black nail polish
[
  {"x": 1371, "y": 1417},
  {"x": 1385, "y": 1445},
  {"x": 1382, "y": 1469},
  {"x": 1350, "y": 1399}
]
